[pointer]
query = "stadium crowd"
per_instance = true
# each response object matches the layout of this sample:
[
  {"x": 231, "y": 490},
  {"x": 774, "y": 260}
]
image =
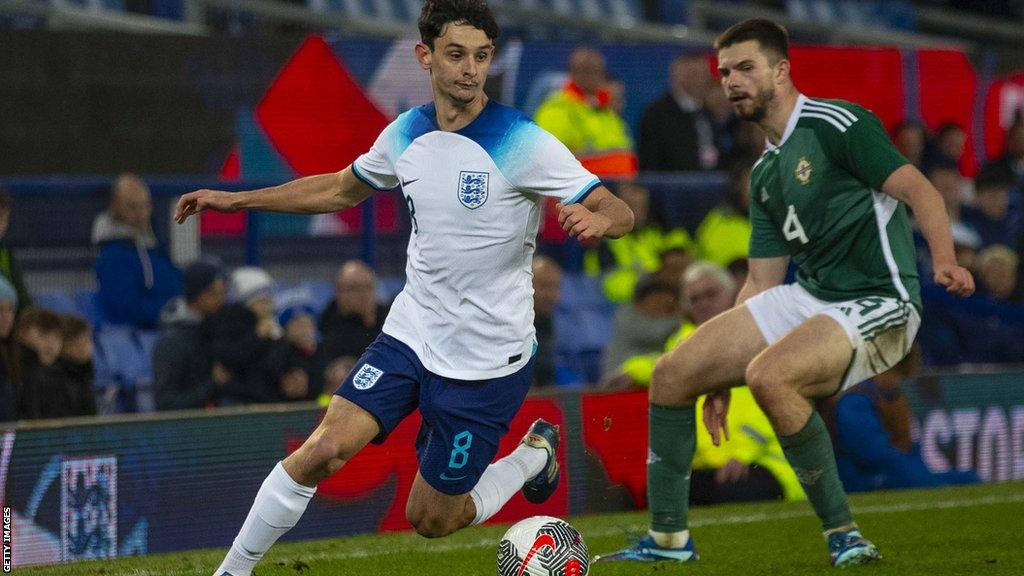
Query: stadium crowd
[{"x": 218, "y": 339}]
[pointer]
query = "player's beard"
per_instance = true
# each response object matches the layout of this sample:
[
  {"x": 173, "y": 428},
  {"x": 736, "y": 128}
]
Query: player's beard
[{"x": 760, "y": 106}]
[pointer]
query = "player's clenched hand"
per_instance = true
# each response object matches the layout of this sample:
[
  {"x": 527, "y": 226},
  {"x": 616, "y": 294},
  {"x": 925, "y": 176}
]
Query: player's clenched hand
[
  {"x": 716, "y": 410},
  {"x": 581, "y": 223},
  {"x": 957, "y": 280},
  {"x": 200, "y": 200}
]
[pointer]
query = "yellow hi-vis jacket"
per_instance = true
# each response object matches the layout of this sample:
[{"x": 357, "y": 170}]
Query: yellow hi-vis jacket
[
  {"x": 596, "y": 135},
  {"x": 723, "y": 236},
  {"x": 635, "y": 254}
]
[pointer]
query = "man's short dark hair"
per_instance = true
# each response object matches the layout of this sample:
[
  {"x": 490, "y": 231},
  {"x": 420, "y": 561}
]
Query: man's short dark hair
[
  {"x": 772, "y": 37},
  {"x": 72, "y": 327},
  {"x": 993, "y": 177},
  {"x": 436, "y": 14}
]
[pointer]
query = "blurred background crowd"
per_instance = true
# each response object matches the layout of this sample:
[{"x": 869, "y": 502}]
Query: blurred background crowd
[{"x": 148, "y": 328}]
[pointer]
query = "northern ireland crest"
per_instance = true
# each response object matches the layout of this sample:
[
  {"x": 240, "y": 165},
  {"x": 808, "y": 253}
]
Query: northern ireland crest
[
  {"x": 803, "y": 170},
  {"x": 473, "y": 189}
]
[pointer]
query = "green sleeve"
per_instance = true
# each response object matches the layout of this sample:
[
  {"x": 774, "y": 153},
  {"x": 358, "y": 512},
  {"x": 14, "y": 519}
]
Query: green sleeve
[
  {"x": 765, "y": 241},
  {"x": 866, "y": 151}
]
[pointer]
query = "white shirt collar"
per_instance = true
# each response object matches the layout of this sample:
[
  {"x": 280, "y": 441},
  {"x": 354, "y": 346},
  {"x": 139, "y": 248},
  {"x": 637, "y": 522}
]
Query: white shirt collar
[{"x": 794, "y": 116}]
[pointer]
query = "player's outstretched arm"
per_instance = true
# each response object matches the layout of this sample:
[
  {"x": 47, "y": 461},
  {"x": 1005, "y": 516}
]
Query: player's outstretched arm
[
  {"x": 310, "y": 195},
  {"x": 907, "y": 184},
  {"x": 600, "y": 214}
]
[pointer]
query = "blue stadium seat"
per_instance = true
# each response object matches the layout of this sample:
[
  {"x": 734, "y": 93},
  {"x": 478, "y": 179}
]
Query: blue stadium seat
[
  {"x": 147, "y": 343},
  {"x": 87, "y": 305},
  {"x": 388, "y": 287},
  {"x": 321, "y": 293},
  {"x": 57, "y": 301},
  {"x": 124, "y": 356},
  {"x": 310, "y": 293}
]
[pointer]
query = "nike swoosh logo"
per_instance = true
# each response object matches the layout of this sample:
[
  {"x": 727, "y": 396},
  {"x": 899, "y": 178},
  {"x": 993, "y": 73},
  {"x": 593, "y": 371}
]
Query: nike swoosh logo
[
  {"x": 407, "y": 182},
  {"x": 541, "y": 541},
  {"x": 445, "y": 476}
]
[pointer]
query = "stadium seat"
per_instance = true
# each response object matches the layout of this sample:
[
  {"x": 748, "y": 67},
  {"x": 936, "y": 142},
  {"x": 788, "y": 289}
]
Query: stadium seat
[
  {"x": 125, "y": 355},
  {"x": 388, "y": 287},
  {"x": 57, "y": 301},
  {"x": 87, "y": 305}
]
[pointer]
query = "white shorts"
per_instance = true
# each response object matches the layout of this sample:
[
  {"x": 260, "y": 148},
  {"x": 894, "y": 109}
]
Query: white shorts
[{"x": 881, "y": 328}]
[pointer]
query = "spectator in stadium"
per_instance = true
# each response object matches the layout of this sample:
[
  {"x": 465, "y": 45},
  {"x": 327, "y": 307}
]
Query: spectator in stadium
[
  {"x": 44, "y": 392},
  {"x": 8, "y": 265},
  {"x": 75, "y": 368},
  {"x": 724, "y": 234},
  {"x": 675, "y": 131},
  {"x": 997, "y": 272},
  {"x": 990, "y": 215},
  {"x": 304, "y": 370},
  {"x": 136, "y": 278},
  {"x": 910, "y": 139},
  {"x": 985, "y": 328},
  {"x": 949, "y": 145},
  {"x": 945, "y": 176},
  {"x": 1012, "y": 160},
  {"x": 547, "y": 290},
  {"x": 750, "y": 466},
  {"x": 582, "y": 117},
  {"x": 248, "y": 342},
  {"x": 642, "y": 326},
  {"x": 870, "y": 426},
  {"x": 183, "y": 368},
  {"x": 8, "y": 349},
  {"x": 674, "y": 261},
  {"x": 623, "y": 260},
  {"x": 354, "y": 318}
]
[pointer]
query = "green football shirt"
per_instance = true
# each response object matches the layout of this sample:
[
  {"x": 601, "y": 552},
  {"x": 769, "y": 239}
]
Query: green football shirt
[{"x": 815, "y": 197}]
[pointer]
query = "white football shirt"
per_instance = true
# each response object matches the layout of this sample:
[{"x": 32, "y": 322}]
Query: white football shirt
[{"x": 474, "y": 199}]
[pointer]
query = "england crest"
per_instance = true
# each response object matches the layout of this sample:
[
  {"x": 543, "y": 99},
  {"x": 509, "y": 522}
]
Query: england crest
[
  {"x": 366, "y": 377},
  {"x": 473, "y": 189}
]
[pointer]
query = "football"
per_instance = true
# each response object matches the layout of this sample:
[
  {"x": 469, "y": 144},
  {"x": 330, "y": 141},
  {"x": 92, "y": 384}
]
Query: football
[{"x": 542, "y": 546}]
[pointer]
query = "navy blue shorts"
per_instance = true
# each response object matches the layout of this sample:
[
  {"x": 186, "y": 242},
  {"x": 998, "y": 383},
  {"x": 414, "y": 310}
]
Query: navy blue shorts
[{"x": 463, "y": 420}]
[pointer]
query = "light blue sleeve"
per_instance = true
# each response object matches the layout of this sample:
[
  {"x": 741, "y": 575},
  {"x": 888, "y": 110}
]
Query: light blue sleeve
[
  {"x": 377, "y": 166},
  {"x": 535, "y": 161}
]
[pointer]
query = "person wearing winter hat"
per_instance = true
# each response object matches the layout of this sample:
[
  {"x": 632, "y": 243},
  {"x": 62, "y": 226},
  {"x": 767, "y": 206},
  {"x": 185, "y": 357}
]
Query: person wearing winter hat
[
  {"x": 183, "y": 367},
  {"x": 247, "y": 341}
]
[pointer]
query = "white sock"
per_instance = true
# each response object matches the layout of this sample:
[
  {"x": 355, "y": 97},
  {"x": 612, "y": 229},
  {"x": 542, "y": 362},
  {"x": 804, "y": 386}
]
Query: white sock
[
  {"x": 670, "y": 539},
  {"x": 278, "y": 506},
  {"x": 504, "y": 478}
]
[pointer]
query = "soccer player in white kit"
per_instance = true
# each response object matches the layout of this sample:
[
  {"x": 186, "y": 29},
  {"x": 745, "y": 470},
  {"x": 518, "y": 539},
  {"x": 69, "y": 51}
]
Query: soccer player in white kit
[{"x": 459, "y": 340}]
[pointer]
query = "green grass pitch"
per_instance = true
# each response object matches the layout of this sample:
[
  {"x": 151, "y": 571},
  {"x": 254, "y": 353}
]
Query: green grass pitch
[{"x": 969, "y": 531}]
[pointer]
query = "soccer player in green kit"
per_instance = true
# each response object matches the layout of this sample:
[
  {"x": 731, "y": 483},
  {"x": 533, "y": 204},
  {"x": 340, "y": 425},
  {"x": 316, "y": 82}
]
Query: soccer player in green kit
[{"x": 829, "y": 192}]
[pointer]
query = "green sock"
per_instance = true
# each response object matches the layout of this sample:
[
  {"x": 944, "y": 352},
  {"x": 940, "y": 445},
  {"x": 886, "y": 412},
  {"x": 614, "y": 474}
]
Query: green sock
[
  {"x": 810, "y": 453},
  {"x": 673, "y": 440}
]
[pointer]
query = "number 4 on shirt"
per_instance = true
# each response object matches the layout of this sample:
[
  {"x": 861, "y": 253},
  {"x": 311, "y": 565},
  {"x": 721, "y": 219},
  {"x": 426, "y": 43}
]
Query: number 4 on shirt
[{"x": 792, "y": 229}]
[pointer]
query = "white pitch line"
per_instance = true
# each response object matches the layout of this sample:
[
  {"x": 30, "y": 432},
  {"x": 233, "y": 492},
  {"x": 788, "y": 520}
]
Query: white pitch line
[
  {"x": 719, "y": 521},
  {"x": 436, "y": 548}
]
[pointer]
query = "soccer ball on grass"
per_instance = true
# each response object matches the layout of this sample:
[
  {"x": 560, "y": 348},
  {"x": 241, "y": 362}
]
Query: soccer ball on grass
[{"x": 542, "y": 546}]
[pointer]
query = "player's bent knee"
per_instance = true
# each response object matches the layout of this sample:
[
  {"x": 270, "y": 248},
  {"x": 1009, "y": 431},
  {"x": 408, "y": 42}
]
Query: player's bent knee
[
  {"x": 668, "y": 382},
  {"x": 763, "y": 379},
  {"x": 430, "y": 524}
]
